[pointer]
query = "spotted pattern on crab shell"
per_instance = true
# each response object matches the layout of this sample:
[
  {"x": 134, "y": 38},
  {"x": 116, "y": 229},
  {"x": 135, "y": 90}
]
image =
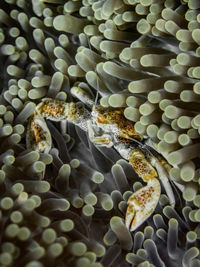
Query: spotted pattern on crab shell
[
  {"x": 52, "y": 109},
  {"x": 141, "y": 166},
  {"x": 116, "y": 116},
  {"x": 142, "y": 197}
]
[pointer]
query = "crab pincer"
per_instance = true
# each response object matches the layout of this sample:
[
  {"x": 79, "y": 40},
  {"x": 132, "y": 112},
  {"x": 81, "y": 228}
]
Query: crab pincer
[
  {"x": 38, "y": 136},
  {"x": 142, "y": 203}
]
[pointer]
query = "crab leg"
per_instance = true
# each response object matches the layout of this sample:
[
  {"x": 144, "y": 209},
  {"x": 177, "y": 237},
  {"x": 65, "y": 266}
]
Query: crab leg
[{"x": 163, "y": 168}]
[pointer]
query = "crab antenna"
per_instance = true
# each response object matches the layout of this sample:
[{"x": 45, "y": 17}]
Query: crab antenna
[
  {"x": 97, "y": 93},
  {"x": 141, "y": 144},
  {"x": 135, "y": 140}
]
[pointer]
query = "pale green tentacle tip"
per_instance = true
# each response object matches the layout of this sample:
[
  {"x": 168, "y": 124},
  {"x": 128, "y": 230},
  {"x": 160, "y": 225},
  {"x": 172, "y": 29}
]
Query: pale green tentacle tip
[
  {"x": 34, "y": 264},
  {"x": 107, "y": 203},
  {"x": 75, "y": 163},
  {"x": 64, "y": 204},
  {"x": 67, "y": 225},
  {"x": 190, "y": 192},
  {"x": 24, "y": 234},
  {"x": 88, "y": 210},
  {"x": 8, "y": 247},
  {"x": 115, "y": 221},
  {"x": 77, "y": 202},
  {"x": 91, "y": 256},
  {"x": 39, "y": 166},
  {"x": 173, "y": 223},
  {"x": 98, "y": 178},
  {"x": 6, "y": 259},
  {"x": 109, "y": 238},
  {"x": 83, "y": 262},
  {"x": 45, "y": 222},
  {"x": 145, "y": 264},
  {"x": 2, "y": 37},
  {"x": 196, "y": 201},
  {"x": 17, "y": 188},
  {"x": 99, "y": 249},
  {"x": 6, "y": 203},
  {"x": 37, "y": 200},
  {"x": 49, "y": 235},
  {"x": 55, "y": 250},
  {"x": 46, "y": 158},
  {"x": 16, "y": 216},
  {"x": 2, "y": 176},
  {"x": 104, "y": 101},
  {"x": 116, "y": 100},
  {"x": 197, "y": 215},
  {"x": 62, "y": 240},
  {"x": 129, "y": 257},
  {"x": 8, "y": 160},
  {"x": 143, "y": 26},
  {"x": 12, "y": 230},
  {"x": 163, "y": 202},
  {"x": 29, "y": 205},
  {"x": 191, "y": 236},
  {"x": 131, "y": 114},
  {"x": 193, "y": 4},
  {"x": 42, "y": 186},
  {"x": 148, "y": 232},
  {"x": 90, "y": 199},
  {"x": 78, "y": 248}
]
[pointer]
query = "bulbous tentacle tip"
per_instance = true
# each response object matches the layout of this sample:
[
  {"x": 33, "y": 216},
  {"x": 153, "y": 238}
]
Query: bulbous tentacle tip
[{"x": 38, "y": 136}]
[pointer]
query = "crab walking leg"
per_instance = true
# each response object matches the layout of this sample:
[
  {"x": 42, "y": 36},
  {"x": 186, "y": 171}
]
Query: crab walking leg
[
  {"x": 57, "y": 110},
  {"x": 163, "y": 168},
  {"x": 38, "y": 136}
]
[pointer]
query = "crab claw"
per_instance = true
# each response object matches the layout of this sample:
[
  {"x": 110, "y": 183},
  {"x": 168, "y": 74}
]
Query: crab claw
[
  {"x": 38, "y": 136},
  {"x": 141, "y": 204}
]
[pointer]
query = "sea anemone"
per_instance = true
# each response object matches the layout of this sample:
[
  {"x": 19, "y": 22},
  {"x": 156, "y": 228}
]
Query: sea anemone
[{"x": 67, "y": 207}]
